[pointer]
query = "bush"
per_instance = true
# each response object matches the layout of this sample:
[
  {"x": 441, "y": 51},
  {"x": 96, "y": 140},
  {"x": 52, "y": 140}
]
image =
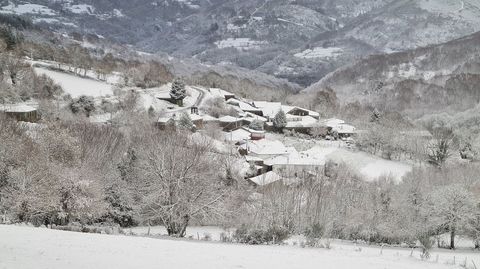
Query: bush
[
  {"x": 313, "y": 234},
  {"x": 427, "y": 244},
  {"x": 256, "y": 125},
  {"x": 257, "y": 236}
]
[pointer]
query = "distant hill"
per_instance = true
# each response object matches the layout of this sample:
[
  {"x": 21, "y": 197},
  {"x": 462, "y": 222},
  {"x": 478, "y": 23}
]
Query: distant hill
[
  {"x": 436, "y": 78},
  {"x": 300, "y": 40}
]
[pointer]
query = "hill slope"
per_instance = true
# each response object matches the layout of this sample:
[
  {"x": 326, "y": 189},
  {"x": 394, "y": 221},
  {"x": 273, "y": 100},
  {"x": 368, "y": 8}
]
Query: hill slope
[
  {"x": 299, "y": 40},
  {"x": 435, "y": 78}
]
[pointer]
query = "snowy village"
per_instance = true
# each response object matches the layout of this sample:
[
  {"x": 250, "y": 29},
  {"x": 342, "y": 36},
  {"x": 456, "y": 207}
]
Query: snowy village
[{"x": 251, "y": 134}]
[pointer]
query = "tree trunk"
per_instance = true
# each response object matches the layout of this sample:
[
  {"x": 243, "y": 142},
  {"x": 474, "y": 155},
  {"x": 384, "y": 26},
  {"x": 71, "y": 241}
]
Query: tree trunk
[
  {"x": 452, "y": 238},
  {"x": 178, "y": 229}
]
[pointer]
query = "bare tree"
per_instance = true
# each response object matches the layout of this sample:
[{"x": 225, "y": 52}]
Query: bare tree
[
  {"x": 179, "y": 181},
  {"x": 438, "y": 150}
]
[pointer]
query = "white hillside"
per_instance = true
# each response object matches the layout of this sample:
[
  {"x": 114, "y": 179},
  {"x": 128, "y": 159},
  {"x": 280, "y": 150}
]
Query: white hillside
[{"x": 77, "y": 86}]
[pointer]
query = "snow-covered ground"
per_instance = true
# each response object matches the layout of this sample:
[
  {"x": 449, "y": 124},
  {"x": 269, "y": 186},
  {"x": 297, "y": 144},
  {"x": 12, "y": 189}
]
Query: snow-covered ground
[
  {"x": 77, "y": 86},
  {"x": 27, "y": 9},
  {"x": 195, "y": 232},
  {"x": 239, "y": 43},
  {"x": 318, "y": 52},
  {"x": 37, "y": 248},
  {"x": 369, "y": 166}
]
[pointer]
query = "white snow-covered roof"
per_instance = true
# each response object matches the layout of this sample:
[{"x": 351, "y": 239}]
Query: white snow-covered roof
[
  {"x": 17, "y": 108},
  {"x": 300, "y": 121},
  {"x": 312, "y": 113},
  {"x": 265, "y": 179},
  {"x": 267, "y": 147},
  {"x": 242, "y": 105},
  {"x": 227, "y": 119},
  {"x": 269, "y": 109},
  {"x": 340, "y": 126},
  {"x": 163, "y": 95},
  {"x": 237, "y": 135},
  {"x": 251, "y": 117}
]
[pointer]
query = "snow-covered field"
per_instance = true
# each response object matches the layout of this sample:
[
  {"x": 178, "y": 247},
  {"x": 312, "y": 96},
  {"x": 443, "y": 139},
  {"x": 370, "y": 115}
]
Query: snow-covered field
[
  {"x": 369, "y": 166},
  {"x": 27, "y": 9},
  {"x": 77, "y": 86},
  {"x": 319, "y": 52},
  {"x": 239, "y": 43},
  {"x": 38, "y": 248}
]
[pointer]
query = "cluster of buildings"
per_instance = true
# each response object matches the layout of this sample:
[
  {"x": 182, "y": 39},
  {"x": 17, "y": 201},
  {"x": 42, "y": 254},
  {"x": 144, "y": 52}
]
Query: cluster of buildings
[
  {"x": 237, "y": 129},
  {"x": 270, "y": 161}
]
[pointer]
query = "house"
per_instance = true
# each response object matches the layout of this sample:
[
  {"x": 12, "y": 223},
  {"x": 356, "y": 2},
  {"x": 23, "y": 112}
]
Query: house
[
  {"x": 269, "y": 109},
  {"x": 243, "y": 134},
  {"x": 20, "y": 112},
  {"x": 237, "y": 135},
  {"x": 229, "y": 123},
  {"x": 271, "y": 179},
  {"x": 295, "y": 164},
  {"x": 301, "y": 124},
  {"x": 256, "y": 134},
  {"x": 337, "y": 126},
  {"x": 245, "y": 107},
  {"x": 298, "y": 111},
  {"x": 265, "y": 149},
  {"x": 170, "y": 118},
  {"x": 165, "y": 96}
]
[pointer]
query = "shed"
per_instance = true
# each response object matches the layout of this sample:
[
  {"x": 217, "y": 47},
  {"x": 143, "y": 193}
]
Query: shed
[{"x": 20, "y": 112}]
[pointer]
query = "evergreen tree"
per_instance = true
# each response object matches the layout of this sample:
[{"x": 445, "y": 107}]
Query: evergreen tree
[
  {"x": 280, "y": 120},
  {"x": 185, "y": 122},
  {"x": 178, "y": 92},
  {"x": 151, "y": 112},
  {"x": 83, "y": 104},
  {"x": 256, "y": 125}
]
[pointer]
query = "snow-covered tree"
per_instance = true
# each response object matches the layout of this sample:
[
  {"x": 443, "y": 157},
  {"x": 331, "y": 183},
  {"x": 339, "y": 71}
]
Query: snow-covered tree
[
  {"x": 451, "y": 207},
  {"x": 256, "y": 125},
  {"x": 83, "y": 104},
  {"x": 185, "y": 122},
  {"x": 438, "y": 151},
  {"x": 180, "y": 181},
  {"x": 178, "y": 91},
  {"x": 280, "y": 120}
]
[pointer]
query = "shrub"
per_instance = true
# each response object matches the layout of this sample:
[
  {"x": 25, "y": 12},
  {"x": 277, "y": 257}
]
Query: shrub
[
  {"x": 256, "y": 125},
  {"x": 257, "y": 236},
  {"x": 427, "y": 244},
  {"x": 313, "y": 234}
]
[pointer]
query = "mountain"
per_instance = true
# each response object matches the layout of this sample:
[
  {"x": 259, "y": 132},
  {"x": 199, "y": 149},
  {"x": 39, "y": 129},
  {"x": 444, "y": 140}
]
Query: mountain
[
  {"x": 300, "y": 40},
  {"x": 431, "y": 79}
]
